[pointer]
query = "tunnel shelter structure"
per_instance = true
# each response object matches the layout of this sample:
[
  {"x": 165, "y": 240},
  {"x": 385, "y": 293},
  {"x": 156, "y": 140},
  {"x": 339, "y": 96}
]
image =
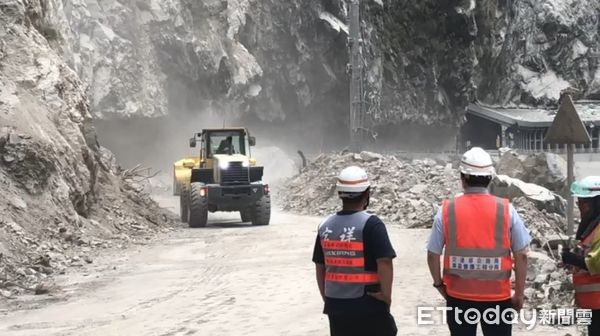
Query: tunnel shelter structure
[{"x": 524, "y": 127}]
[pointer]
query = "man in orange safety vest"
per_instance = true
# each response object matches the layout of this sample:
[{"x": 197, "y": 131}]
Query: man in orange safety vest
[
  {"x": 483, "y": 236},
  {"x": 585, "y": 260}
]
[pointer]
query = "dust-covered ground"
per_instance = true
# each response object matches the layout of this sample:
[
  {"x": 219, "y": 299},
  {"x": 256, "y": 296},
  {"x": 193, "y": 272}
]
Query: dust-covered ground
[{"x": 227, "y": 279}]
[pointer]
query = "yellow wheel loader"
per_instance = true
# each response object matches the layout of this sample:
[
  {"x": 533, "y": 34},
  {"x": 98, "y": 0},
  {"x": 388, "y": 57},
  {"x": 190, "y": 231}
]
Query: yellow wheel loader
[{"x": 223, "y": 177}]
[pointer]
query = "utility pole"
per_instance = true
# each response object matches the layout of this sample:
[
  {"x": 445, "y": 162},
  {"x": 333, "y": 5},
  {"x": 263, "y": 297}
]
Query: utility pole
[{"x": 357, "y": 106}]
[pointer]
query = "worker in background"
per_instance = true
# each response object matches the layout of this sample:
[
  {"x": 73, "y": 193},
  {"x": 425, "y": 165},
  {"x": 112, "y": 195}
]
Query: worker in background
[
  {"x": 585, "y": 260},
  {"x": 483, "y": 235},
  {"x": 353, "y": 257}
]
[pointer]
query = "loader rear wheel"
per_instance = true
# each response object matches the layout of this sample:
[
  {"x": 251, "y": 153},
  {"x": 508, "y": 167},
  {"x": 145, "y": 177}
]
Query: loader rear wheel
[
  {"x": 261, "y": 212},
  {"x": 184, "y": 199},
  {"x": 198, "y": 206},
  {"x": 246, "y": 215}
]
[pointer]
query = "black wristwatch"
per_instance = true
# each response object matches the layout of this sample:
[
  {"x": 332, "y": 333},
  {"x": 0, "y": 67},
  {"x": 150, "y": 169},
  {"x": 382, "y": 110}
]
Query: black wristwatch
[{"x": 440, "y": 285}]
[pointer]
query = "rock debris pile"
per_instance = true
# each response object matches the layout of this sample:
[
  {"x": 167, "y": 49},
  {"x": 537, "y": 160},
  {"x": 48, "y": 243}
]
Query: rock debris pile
[
  {"x": 536, "y": 184},
  {"x": 548, "y": 286},
  {"x": 39, "y": 241},
  {"x": 405, "y": 193},
  {"x": 62, "y": 197}
]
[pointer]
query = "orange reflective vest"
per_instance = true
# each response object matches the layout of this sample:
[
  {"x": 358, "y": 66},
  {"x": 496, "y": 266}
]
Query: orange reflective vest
[
  {"x": 477, "y": 258},
  {"x": 343, "y": 247},
  {"x": 587, "y": 286}
]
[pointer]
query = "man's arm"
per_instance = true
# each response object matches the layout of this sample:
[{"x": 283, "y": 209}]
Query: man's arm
[
  {"x": 385, "y": 271},
  {"x": 319, "y": 260},
  {"x": 592, "y": 260},
  {"x": 520, "y": 258},
  {"x": 320, "y": 272},
  {"x": 519, "y": 241},
  {"x": 381, "y": 249},
  {"x": 435, "y": 268},
  {"x": 435, "y": 246}
]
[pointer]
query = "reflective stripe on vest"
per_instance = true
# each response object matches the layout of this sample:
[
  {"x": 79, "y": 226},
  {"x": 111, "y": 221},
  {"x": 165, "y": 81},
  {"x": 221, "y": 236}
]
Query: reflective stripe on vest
[
  {"x": 477, "y": 273},
  {"x": 341, "y": 245},
  {"x": 345, "y": 262},
  {"x": 587, "y": 286},
  {"x": 351, "y": 278},
  {"x": 341, "y": 238}
]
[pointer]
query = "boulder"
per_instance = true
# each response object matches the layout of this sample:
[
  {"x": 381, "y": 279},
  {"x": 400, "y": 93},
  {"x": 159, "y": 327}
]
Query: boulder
[
  {"x": 544, "y": 199},
  {"x": 511, "y": 164},
  {"x": 545, "y": 169},
  {"x": 370, "y": 156},
  {"x": 548, "y": 170}
]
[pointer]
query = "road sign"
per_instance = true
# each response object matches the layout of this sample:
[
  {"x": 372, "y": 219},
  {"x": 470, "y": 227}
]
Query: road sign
[{"x": 567, "y": 127}]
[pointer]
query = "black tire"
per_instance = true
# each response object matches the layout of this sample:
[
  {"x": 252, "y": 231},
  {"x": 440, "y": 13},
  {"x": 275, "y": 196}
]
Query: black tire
[
  {"x": 246, "y": 215},
  {"x": 184, "y": 210},
  {"x": 198, "y": 210},
  {"x": 261, "y": 212}
]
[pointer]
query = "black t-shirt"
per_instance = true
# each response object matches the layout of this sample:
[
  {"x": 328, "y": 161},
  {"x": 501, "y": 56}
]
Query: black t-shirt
[{"x": 377, "y": 245}]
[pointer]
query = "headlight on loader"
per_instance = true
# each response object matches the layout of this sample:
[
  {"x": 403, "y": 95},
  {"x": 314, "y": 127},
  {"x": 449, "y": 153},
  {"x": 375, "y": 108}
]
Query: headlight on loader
[{"x": 223, "y": 164}]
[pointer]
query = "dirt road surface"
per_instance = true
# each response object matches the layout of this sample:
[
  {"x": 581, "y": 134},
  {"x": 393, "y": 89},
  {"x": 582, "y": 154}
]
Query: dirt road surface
[{"x": 228, "y": 279}]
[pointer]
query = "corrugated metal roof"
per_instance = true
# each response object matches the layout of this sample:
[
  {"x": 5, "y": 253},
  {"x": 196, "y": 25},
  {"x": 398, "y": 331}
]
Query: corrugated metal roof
[{"x": 589, "y": 112}]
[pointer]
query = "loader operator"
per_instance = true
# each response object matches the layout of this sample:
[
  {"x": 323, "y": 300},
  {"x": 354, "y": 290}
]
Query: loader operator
[
  {"x": 353, "y": 257},
  {"x": 479, "y": 232},
  {"x": 226, "y": 146},
  {"x": 585, "y": 260}
]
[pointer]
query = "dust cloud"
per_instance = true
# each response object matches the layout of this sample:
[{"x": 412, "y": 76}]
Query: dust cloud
[{"x": 158, "y": 142}]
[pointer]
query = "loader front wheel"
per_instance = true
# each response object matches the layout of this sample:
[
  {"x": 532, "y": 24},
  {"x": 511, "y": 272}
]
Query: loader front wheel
[
  {"x": 246, "y": 215},
  {"x": 198, "y": 206},
  {"x": 261, "y": 212}
]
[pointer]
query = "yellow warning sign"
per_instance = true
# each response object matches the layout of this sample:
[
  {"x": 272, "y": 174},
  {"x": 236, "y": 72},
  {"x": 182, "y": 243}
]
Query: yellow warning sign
[{"x": 567, "y": 127}]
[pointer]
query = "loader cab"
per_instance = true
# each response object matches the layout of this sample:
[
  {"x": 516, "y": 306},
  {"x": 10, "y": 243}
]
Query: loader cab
[{"x": 224, "y": 142}]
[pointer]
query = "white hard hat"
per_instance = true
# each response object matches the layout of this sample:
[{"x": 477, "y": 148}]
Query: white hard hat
[
  {"x": 352, "y": 180},
  {"x": 477, "y": 162},
  {"x": 587, "y": 188}
]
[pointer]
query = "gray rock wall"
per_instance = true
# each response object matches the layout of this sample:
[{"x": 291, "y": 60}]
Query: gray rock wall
[
  {"x": 286, "y": 60},
  {"x": 441, "y": 55},
  {"x": 270, "y": 59}
]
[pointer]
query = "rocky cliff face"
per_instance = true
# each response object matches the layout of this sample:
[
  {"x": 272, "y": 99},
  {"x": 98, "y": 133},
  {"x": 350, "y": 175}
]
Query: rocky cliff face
[
  {"x": 440, "y": 55},
  {"x": 529, "y": 51},
  {"x": 152, "y": 58},
  {"x": 283, "y": 63},
  {"x": 287, "y": 60},
  {"x": 60, "y": 191}
]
